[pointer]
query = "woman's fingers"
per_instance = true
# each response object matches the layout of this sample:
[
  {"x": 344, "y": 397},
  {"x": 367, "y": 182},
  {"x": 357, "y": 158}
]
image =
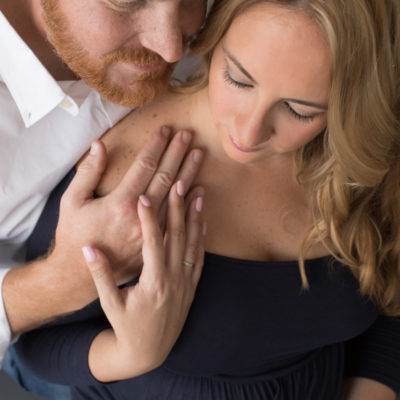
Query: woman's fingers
[
  {"x": 193, "y": 231},
  {"x": 153, "y": 246},
  {"x": 198, "y": 267},
  {"x": 183, "y": 234},
  {"x": 103, "y": 278},
  {"x": 176, "y": 230}
]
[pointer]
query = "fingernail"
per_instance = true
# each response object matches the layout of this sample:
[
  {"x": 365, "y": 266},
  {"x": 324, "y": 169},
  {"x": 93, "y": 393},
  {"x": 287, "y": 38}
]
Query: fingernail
[
  {"x": 180, "y": 188},
  {"x": 165, "y": 131},
  {"x": 204, "y": 229},
  {"x": 186, "y": 137},
  {"x": 89, "y": 254},
  {"x": 199, "y": 204},
  {"x": 197, "y": 157},
  {"x": 94, "y": 149},
  {"x": 144, "y": 200}
]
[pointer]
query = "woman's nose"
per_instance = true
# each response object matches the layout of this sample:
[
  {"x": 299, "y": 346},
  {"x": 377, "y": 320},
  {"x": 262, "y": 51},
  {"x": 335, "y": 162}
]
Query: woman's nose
[{"x": 254, "y": 130}]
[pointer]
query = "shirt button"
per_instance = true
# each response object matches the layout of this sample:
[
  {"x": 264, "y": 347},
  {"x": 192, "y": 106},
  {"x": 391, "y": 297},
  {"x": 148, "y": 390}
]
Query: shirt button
[{"x": 66, "y": 103}]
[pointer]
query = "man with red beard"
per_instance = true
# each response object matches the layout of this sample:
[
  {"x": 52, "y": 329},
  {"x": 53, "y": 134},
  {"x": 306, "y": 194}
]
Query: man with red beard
[{"x": 69, "y": 71}]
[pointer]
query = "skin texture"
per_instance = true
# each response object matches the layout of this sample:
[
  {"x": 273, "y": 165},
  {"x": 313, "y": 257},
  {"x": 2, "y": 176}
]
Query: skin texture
[
  {"x": 366, "y": 389},
  {"x": 245, "y": 218},
  {"x": 61, "y": 282},
  {"x": 126, "y": 52},
  {"x": 257, "y": 113}
]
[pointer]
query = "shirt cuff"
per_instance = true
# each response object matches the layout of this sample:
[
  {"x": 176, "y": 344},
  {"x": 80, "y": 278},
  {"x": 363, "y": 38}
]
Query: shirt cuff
[{"x": 5, "y": 331}]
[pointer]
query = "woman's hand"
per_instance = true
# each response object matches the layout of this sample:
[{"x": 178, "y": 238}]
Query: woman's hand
[{"x": 147, "y": 319}]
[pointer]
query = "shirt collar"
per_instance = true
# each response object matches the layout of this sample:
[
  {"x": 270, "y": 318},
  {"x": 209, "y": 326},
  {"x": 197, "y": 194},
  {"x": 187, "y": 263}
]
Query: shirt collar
[{"x": 33, "y": 89}]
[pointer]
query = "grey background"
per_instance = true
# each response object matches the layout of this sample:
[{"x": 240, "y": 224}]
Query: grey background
[{"x": 9, "y": 390}]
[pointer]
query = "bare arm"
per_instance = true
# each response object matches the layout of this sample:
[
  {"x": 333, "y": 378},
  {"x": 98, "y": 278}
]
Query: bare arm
[
  {"x": 366, "y": 389},
  {"x": 38, "y": 292}
]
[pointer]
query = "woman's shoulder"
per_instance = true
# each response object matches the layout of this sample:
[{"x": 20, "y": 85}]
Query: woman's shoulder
[{"x": 125, "y": 140}]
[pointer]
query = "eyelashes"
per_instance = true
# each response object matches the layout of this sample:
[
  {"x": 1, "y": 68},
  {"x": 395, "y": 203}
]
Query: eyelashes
[
  {"x": 241, "y": 85},
  {"x": 231, "y": 81},
  {"x": 305, "y": 118}
]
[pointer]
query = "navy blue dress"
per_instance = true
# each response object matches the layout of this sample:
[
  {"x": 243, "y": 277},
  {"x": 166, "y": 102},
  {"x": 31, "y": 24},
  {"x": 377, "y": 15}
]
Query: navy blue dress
[{"x": 251, "y": 334}]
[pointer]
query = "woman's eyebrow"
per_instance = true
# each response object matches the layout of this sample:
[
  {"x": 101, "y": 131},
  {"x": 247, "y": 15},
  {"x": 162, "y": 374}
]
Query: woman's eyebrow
[{"x": 237, "y": 63}]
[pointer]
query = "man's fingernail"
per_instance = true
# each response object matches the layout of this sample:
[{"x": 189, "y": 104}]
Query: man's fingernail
[
  {"x": 199, "y": 204},
  {"x": 180, "y": 188},
  {"x": 144, "y": 200},
  {"x": 94, "y": 149},
  {"x": 197, "y": 157},
  {"x": 165, "y": 131},
  {"x": 89, "y": 254},
  {"x": 186, "y": 137}
]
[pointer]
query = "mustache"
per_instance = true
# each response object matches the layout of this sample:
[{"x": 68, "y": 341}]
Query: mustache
[{"x": 141, "y": 57}]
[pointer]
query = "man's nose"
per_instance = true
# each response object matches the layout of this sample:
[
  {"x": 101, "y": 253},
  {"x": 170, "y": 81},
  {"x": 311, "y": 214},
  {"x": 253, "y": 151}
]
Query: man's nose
[{"x": 163, "y": 35}]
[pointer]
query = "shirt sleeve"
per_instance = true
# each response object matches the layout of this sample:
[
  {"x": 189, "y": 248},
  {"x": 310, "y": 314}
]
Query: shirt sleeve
[
  {"x": 59, "y": 353},
  {"x": 376, "y": 353},
  {"x": 5, "y": 332}
]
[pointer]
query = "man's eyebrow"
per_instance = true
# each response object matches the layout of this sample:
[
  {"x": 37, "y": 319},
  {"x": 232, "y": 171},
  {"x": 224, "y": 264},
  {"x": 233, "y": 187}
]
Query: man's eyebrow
[
  {"x": 308, "y": 103},
  {"x": 237, "y": 63}
]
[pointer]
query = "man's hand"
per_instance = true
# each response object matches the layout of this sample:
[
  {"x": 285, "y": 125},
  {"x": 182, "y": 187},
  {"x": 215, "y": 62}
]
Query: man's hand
[{"x": 61, "y": 283}]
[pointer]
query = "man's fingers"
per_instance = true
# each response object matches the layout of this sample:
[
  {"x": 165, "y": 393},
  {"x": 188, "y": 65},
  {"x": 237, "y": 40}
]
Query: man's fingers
[
  {"x": 153, "y": 246},
  {"x": 88, "y": 175},
  {"x": 139, "y": 175},
  {"x": 99, "y": 267},
  {"x": 171, "y": 161}
]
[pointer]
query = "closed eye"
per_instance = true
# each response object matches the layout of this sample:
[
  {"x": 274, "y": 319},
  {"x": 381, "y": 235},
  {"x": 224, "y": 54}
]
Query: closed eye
[
  {"x": 233, "y": 82},
  {"x": 304, "y": 118}
]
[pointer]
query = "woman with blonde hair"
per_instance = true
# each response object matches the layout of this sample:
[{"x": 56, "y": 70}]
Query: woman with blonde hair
[{"x": 298, "y": 112}]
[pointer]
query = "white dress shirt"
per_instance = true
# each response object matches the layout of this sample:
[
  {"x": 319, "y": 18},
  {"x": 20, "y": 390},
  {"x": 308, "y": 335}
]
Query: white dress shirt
[{"x": 45, "y": 127}]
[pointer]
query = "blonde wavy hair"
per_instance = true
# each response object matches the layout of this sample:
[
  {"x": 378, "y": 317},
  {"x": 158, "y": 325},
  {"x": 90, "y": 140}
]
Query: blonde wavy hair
[{"x": 352, "y": 170}]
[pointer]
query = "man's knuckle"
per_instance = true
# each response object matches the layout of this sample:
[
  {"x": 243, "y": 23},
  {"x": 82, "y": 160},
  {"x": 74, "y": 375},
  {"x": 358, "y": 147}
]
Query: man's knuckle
[
  {"x": 148, "y": 163},
  {"x": 164, "y": 178},
  {"x": 179, "y": 233}
]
